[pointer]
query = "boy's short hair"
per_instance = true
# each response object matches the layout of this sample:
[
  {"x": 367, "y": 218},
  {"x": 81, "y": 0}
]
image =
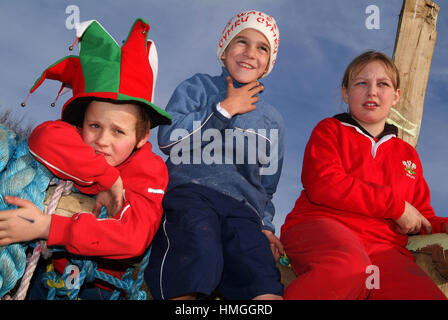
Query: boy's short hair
[{"x": 365, "y": 58}]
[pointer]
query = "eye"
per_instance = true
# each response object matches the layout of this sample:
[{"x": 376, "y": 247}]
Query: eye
[
  {"x": 119, "y": 131},
  {"x": 383, "y": 84},
  {"x": 264, "y": 49},
  {"x": 360, "y": 83},
  {"x": 94, "y": 126}
]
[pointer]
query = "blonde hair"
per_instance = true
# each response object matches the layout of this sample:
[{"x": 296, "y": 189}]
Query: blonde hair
[{"x": 365, "y": 58}]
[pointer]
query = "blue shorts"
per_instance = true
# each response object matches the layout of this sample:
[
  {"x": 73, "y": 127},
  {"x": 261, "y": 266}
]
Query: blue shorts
[{"x": 210, "y": 241}]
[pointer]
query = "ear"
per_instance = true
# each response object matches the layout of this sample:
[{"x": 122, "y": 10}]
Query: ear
[
  {"x": 397, "y": 97},
  {"x": 223, "y": 56},
  {"x": 143, "y": 140},
  {"x": 267, "y": 68},
  {"x": 344, "y": 94}
]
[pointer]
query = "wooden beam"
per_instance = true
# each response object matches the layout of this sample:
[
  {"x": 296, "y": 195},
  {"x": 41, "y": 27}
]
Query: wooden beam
[{"x": 414, "y": 48}]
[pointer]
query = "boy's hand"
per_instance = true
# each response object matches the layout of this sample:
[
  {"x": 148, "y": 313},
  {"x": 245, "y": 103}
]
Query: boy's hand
[
  {"x": 26, "y": 223},
  {"x": 112, "y": 199},
  {"x": 241, "y": 100},
  {"x": 276, "y": 245},
  {"x": 411, "y": 221}
]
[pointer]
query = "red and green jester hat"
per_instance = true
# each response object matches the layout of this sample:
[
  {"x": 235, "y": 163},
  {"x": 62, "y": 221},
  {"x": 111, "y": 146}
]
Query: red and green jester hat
[{"x": 104, "y": 71}]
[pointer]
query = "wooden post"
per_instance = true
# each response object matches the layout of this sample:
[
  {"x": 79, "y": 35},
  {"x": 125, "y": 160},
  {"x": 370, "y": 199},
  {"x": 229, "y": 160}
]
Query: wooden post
[{"x": 414, "y": 47}]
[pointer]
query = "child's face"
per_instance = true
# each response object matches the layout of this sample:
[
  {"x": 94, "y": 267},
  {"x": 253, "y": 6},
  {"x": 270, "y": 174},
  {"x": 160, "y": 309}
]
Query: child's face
[
  {"x": 370, "y": 96},
  {"x": 247, "y": 56},
  {"x": 111, "y": 130}
]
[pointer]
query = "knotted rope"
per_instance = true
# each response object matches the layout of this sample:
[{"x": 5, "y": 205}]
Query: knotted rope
[
  {"x": 58, "y": 285},
  {"x": 63, "y": 286},
  {"x": 63, "y": 187},
  {"x": 22, "y": 176}
]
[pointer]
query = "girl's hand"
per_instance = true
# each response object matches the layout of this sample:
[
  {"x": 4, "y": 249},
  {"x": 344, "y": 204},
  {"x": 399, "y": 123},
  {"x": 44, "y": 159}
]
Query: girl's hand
[
  {"x": 411, "y": 221},
  {"x": 276, "y": 245},
  {"x": 26, "y": 223}
]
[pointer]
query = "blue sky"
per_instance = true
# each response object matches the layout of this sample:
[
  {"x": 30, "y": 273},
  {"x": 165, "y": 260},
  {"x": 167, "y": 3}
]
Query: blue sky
[{"x": 317, "y": 40}]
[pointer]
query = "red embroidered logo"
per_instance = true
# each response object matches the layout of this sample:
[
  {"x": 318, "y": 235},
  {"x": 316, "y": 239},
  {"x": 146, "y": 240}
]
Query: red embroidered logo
[{"x": 410, "y": 167}]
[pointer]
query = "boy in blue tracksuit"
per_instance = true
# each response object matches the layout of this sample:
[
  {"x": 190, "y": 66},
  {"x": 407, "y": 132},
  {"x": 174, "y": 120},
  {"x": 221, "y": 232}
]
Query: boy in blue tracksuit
[{"x": 225, "y": 150}]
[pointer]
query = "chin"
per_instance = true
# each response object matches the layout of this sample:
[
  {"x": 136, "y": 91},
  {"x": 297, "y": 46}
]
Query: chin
[{"x": 245, "y": 78}]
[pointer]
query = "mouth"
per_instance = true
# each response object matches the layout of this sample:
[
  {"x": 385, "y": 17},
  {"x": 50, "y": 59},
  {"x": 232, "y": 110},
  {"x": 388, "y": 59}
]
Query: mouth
[
  {"x": 246, "y": 65},
  {"x": 370, "y": 105},
  {"x": 103, "y": 153}
]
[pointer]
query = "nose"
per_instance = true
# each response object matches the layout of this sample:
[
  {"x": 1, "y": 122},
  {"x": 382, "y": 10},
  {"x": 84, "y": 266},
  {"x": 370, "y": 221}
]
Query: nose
[
  {"x": 372, "y": 90},
  {"x": 250, "y": 51},
  {"x": 102, "y": 139}
]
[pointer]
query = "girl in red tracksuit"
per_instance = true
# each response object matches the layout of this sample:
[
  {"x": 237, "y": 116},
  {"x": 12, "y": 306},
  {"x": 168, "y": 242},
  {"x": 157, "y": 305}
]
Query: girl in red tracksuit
[{"x": 364, "y": 192}]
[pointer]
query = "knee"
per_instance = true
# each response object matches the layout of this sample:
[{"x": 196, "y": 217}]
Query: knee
[
  {"x": 332, "y": 280},
  {"x": 348, "y": 264},
  {"x": 339, "y": 274},
  {"x": 337, "y": 260}
]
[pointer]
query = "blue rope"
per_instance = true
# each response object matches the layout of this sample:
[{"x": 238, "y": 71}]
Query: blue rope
[
  {"x": 88, "y": 273},
  {"x": 23, "y": 176}
]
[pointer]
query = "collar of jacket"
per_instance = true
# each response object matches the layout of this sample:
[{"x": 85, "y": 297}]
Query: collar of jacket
[{"x": 347, "y": 118}]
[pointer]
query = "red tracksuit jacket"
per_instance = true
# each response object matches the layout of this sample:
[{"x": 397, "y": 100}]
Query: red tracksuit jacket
[
  {"x": 59, "y": 146},
  {"x": 362, "y": 182}
]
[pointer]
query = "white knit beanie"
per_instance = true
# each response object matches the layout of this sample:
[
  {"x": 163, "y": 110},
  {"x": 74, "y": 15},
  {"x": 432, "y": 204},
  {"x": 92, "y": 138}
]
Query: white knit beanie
[{"x": 256, "y": 20}]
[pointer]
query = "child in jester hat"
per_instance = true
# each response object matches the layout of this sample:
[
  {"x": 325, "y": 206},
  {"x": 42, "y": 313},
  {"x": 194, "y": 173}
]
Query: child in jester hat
[
  {"x": 101, "y": 145},
  {"x": 217, "y": 231}
]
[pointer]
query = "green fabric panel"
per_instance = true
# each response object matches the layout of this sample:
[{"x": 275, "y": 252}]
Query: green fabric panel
[
  {"x": 100, "y": 59},
  {"x": 162, "y": 112}
]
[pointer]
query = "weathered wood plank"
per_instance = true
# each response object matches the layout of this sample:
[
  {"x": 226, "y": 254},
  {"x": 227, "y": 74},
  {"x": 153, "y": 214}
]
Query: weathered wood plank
[{"x": 414, "y": 48}]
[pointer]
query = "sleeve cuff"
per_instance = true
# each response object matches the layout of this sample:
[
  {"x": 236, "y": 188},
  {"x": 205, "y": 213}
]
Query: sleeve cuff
[
  {"x": 59, "y": 230},
  {"x": 267, "y": 225},
  {"x": 108, "y": 178},
  {"x": 269, "y": 228},
  {"x": 397, "y": 210},
  {"x": 223, "y": 111}
]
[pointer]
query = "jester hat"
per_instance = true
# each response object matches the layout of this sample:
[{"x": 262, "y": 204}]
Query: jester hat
[{"x": 103, "y": 71}]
